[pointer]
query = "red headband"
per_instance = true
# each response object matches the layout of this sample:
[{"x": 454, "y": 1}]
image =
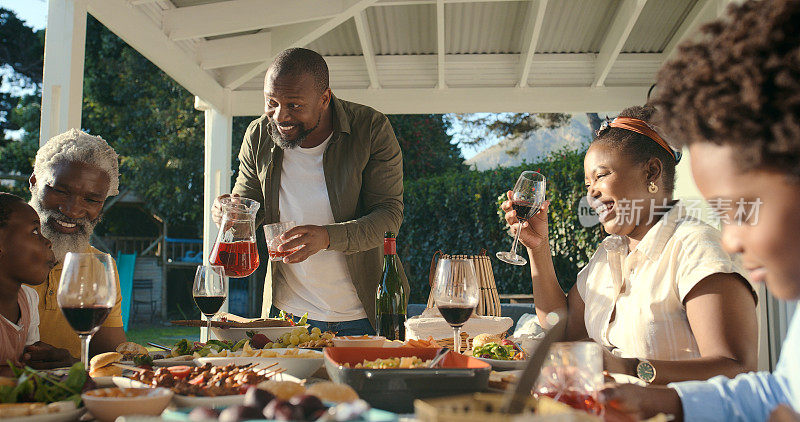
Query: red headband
[{"x": 640, "y": 126}]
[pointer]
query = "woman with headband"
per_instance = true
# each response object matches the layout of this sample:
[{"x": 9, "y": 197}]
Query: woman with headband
[{"x": 660, "y": 293}]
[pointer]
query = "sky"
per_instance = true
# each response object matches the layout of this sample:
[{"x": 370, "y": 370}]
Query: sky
[{"x": 34, "y": 13}]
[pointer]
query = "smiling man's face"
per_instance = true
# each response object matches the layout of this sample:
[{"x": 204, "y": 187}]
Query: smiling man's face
[{"x": 70, "y": 206}]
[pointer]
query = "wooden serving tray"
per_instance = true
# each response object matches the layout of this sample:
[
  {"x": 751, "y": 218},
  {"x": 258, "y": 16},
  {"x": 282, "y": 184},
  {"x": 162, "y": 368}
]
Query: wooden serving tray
[{"x": 261, "y": 323}]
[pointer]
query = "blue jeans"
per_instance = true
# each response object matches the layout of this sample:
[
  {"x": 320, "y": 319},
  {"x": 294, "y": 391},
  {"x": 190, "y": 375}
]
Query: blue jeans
[{"x": 355, "y": 327}]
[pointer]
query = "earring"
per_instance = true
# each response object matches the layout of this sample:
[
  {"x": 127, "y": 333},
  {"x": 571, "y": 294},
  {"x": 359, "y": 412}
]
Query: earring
[{"x": 652, "y": 188}]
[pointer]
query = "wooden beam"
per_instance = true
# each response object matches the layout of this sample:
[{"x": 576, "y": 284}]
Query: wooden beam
[
  {"x": 365, "y": 37},
  {"x": 702, "y": 12},
  {"x": 440, "y": 49},
  {"x": 232, "y": 51},
  {"x": 533, "y": 27},
  {"x": 227, "y": 17},
  {"x": 418, "y": 2},
  {"x": 624, "y": 20},
  {"x": 471, "y": 100},
  {"x": 141, "y": 33},
  {"x": 295, "y": 36}
]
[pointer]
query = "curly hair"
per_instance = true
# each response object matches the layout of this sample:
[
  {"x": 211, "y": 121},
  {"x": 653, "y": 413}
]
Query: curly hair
[
  {"x": 75, "y": 145},
  {"x": 7, "y": 201},
  {"x": 639, "y": 148},
  {"x": 739, "y": 86}
]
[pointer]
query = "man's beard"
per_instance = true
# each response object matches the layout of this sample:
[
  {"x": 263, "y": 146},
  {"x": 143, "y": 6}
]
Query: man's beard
[
  {"x": 63, "y": 242},
  {"x": 284, "y": 143}
]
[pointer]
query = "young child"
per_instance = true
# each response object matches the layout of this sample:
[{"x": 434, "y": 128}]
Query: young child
[
  {"x": 25, "y": 257},
  {"x": 734, "y": 98}
]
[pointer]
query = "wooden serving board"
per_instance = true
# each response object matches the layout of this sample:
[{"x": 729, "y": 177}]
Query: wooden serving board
[{"x": 261, "y": 323}]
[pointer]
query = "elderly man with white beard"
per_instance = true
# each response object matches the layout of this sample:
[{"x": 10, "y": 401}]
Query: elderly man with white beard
[{"x": 73, "y": 175}]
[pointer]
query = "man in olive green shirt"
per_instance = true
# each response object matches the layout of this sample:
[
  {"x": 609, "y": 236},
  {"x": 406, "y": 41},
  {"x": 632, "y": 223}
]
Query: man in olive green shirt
[{"x": 336, "y": 169}]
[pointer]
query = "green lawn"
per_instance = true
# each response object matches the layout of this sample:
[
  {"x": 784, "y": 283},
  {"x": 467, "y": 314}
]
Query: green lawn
[{"x": 167, "y": 336}]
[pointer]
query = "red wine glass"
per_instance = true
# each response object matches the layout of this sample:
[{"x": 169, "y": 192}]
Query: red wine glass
[
  {"x": 527, "y": 200},
  {"x": 86, "y": 293},
  {"x": 209, "y": 290},
  {"x": 456, "y": 293}
]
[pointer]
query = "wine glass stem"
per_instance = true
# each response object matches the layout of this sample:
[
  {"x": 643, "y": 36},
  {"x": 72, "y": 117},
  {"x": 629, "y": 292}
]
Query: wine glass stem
[
  {"x": 208, "y": 328},
  {"x": 85, "y": 340},
  {"x": 457, "y": 338},
  {"x": 516, "y": 238}
]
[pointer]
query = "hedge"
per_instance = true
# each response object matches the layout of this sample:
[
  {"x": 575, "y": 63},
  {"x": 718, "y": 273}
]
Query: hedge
[{"x": 458, "y": 213}]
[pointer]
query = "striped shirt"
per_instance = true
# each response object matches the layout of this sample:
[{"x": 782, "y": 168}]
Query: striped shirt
[{"x": 634, "y": 301}]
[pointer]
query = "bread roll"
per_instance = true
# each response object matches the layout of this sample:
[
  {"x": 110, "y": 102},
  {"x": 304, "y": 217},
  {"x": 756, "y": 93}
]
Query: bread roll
[
  {"x": 332, "y": 392},
  {"x": 131, "y": 349},
  {"x": 106, "y": 371},
  {"x": 100, "y": 365},
  {"x": 482, "y": 339},
  {"x": 283, "y": 390}
]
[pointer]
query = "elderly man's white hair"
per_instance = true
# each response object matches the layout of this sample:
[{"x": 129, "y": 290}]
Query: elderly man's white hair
[{"x": 75, "y": 145}]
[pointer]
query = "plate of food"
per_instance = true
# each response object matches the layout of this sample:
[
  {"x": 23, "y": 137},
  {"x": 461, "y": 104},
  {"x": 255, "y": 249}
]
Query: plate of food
[
  {"x": 296, "y": 362},
  {"x": 202, "y": 386},
  {"x": 106, "y": 404},
  {"x": 503, "y": 355},
  {"x": 359, "y": 341},
  {"x": 135, "y": 354},
  {"x": 43, "y": 396},
  {"x": 62, "y": 411}
]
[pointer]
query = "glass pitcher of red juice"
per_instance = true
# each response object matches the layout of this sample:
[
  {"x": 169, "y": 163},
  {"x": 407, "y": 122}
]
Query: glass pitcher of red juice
[{"x": 235, "y": 248}]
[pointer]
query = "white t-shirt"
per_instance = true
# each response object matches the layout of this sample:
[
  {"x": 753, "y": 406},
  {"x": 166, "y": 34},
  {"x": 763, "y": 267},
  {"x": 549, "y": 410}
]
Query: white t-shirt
[
  {"x": 33, "y": 306},
  {"x": 321, "y": 284},
  {"x": 644, "y": 290}
]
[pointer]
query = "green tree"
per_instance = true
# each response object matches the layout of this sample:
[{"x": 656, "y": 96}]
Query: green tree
[{"x": 428, "y": 149}]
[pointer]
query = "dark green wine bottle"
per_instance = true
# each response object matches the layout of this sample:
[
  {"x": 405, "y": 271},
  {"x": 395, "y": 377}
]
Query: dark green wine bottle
[{"x": 390, "y": 304}]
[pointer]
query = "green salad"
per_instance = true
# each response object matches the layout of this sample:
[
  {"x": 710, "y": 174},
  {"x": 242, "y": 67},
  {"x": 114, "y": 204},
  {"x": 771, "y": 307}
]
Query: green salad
[
  {"x": 498, "y": 351},
  {"x": 43, "y": 387},
  {"x": 185, "y": 347}
]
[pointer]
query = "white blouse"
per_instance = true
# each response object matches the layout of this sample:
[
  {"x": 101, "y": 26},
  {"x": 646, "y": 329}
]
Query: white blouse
[{"x": 644, "y": 290}]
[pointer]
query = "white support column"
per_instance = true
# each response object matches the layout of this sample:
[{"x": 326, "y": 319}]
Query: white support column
[
  {"x": 62, "y": 84},
  {"x": 217, "y": 175},
  {"x": 440, "y": 48}
]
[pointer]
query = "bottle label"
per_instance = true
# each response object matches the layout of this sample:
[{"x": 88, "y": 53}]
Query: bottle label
[{"x": 389, "y": 246}]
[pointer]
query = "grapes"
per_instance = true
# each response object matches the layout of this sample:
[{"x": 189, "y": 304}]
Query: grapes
[
  {"x": 316, "y": 330},
  {"x": 239, "y": 413},
  {"x": 304, "y": 337},
  {"x": 294, "y": 340},
  {"x": 315, "y": 336},
  {"x": 203, "y": 413},
  {"x": 256, "y": 397}
]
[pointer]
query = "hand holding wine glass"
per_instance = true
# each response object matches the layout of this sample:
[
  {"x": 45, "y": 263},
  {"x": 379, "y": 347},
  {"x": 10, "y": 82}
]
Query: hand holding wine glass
[
  {"x": 533, "y": 232},
  {"x": 209, "y": 290},
  {"x": 86, "y": 293},
  {"x": 526, "y": 200},
  {"x": 456, "y": 293}
]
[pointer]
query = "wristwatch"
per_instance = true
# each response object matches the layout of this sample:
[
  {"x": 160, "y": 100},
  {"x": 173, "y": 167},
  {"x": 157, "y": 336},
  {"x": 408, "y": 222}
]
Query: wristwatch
[{"x": 645, "y": 371}]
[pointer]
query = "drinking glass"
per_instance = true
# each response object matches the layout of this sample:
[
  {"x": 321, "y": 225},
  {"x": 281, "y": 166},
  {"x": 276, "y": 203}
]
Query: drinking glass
[
  {"x": 86, "y": 292},
  {"x": 526, "y": 200},
  {"x": 209, "y": 290},
  {"x": 272, "y": 234},
  {"x": 456, "y": 293},
  {"x": 573, "y": 374}
]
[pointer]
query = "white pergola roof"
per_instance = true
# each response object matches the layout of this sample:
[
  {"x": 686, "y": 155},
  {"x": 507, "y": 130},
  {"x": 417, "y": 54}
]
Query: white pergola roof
[{"x": 416, "y": 56}]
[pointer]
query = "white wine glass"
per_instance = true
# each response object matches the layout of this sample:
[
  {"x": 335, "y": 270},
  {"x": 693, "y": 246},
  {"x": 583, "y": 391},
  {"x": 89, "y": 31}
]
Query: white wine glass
[
  {"x": 86, "y": 293},
  {"x": 527, "y": 200}
]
